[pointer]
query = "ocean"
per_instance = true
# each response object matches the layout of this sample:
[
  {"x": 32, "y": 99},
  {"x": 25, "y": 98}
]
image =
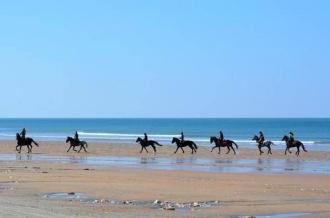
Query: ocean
[{"x": 315, "y": 133}]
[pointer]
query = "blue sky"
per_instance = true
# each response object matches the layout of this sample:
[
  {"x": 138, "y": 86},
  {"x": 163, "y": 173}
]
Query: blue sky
[{"x": 165, "y": 58}]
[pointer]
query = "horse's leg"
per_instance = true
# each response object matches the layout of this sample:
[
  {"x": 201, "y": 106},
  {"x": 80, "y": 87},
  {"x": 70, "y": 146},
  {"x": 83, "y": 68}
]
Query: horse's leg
[
  {"x": 182, "y": 149},
  {"x": 298, "y": 151},
  {"x": 232, "y": 147},
  {"x": 141, "y": 149},
  {"x": 192, "y": 149},
  {"x": 177, "y": 148},
  {"x": 260, "y": 151},
  {"x": 286, "y": 150},
  {"x": 219, "y": 150},
  {"x": 146, "y": 149},
  {"x": 154, "y": 147},
  {"x": 69, "y": 148},
  {"x": 228, "y": 147},
  {"x": 80, "y": 148},
  {"x": 85, "y": 149},
  {"x": 213, "y": 148}
]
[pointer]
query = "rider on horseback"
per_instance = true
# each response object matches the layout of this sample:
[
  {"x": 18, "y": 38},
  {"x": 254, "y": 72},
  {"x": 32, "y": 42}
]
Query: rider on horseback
[
  {"x": 291, "y": 137},
  {"x": 76, "y": 137},
  {"x": 221, "y": 138},
  {"x": 261, "y": 137},
  {"x": 182, "y": 137},
  {"x": 23, "y": 133},
  {"x": 145, "y": 138}
]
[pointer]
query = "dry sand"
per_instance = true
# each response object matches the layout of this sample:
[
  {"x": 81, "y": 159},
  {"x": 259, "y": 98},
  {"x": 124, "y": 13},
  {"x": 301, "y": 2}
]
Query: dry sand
[{"x": 23, "y": 184}]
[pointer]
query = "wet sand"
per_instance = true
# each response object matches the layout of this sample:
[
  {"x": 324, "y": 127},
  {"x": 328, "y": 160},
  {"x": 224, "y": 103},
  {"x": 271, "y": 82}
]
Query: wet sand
[{"x": 25, "y": 183}]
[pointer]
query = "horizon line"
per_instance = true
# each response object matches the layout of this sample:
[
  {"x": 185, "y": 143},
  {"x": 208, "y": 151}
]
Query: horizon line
[{"x": 164, "y": 117}]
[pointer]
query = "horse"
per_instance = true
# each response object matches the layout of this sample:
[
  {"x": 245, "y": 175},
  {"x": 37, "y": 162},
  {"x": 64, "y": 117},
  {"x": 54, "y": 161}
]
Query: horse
[
  {"x": 24, "y": 142},
  {"x": 144, "y": 144},
  {"x": 74, "y": 143},
  {"x": 264, "y": 144},
  {"x": 225, "y": 143},
  {"x": 293, "y": 144},
  {"x": 192, "y": 145}
]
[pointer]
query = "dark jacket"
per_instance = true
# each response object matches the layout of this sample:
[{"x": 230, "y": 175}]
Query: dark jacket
[{"x": 23, "y": 133}]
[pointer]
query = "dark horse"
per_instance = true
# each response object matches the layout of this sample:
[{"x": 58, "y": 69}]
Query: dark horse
[
  {"x": 264, "y": 144},
  {"x": 24, "y": 142},
  {"x": 293, "y": 144},
  {"x": 145, "y": 144},
  {"x": 74, "y": 143},
  {"x": 180, "y": 144},
  {"x": 226, "y": 143}
]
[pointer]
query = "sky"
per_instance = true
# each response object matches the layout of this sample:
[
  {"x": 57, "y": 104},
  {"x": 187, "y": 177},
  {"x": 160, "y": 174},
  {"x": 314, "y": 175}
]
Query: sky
[{"x": 171, "y": 58}]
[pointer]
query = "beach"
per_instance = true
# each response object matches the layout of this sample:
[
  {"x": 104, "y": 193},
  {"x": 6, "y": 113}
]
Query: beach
[{"x": 116, "y": 180}]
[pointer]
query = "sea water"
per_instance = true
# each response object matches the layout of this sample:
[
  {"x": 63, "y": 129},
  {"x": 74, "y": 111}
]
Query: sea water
[{"x": 314, "y": 133}]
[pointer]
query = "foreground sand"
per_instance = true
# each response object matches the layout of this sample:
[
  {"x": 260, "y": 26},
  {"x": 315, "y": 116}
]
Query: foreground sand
[{"x": 23, "y": 184}]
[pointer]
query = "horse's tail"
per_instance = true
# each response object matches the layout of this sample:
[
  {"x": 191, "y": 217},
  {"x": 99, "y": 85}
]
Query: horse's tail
[
  {"x": 194, "y": 144},
  {"x": 303, "y": 147},
  {"x": 235, "y": 144},
  {"x": 34, "y": 142},
  {"x": 158, "y": 144},
  {"x": 84, "y": 143}
]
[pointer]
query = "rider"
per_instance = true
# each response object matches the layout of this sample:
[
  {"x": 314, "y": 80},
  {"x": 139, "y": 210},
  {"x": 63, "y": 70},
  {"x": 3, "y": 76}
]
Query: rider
[
  {"x": 145, "y": 137},
  {"x": 261, "y": 137},
  {"x": 76, "y": 137},
  {"x": 221, "y": 138},
  {"x": 291, "y": 137},
  {"x": 23, "y": 133},
  {"x": 182, "y": 137}
]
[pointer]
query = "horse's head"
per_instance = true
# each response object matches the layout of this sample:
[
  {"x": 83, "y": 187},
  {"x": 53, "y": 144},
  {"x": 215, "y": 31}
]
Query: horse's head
[
  {"x": 18, "y": 137},
  {"x": 68, "y": 139},
  {"x": 139, "y": 139},
  {"x": 175, "y": 140},
  {"x": 255, "y": 138},
  {"x": 285, "y": 138},
  {"x": 213, "y": 139}
]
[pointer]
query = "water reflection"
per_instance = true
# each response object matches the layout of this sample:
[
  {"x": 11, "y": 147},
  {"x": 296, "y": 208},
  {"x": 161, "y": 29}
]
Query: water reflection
[{"x": 192, "y": 163}]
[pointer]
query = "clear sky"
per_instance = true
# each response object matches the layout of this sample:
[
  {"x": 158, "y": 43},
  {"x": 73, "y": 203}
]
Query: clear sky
[{"x": 165, "y": 58}]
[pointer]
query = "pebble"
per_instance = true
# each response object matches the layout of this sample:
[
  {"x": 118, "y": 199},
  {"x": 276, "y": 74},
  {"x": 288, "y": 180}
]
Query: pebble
[
  {"x": 157, "y": 202},
  {"x": 196, "y": 204},
  {"x": 104, "y": 201},
  {"x": 168, "y": 208}
]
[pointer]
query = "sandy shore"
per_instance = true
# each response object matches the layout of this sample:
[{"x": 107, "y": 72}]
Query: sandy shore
[{"x": 23, "y": 185}]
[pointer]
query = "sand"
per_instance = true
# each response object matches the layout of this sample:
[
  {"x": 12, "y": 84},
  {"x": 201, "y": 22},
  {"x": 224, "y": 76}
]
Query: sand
[{"x": 23, "y": 185}]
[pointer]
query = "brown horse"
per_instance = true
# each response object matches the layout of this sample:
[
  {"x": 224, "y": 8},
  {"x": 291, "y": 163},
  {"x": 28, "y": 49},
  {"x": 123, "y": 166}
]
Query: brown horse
[
  {"x": 226, "y": 143},
  {"x": 74, "y": 143},
  {"x": 192, "y": 145},
  {"x": 293, "y": 144},
  {"x": 144, "y": 144},
  {"x": 24, "y": 142}
]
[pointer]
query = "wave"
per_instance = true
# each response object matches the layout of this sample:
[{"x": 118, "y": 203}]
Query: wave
[{"x": 125, "y": 135}]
